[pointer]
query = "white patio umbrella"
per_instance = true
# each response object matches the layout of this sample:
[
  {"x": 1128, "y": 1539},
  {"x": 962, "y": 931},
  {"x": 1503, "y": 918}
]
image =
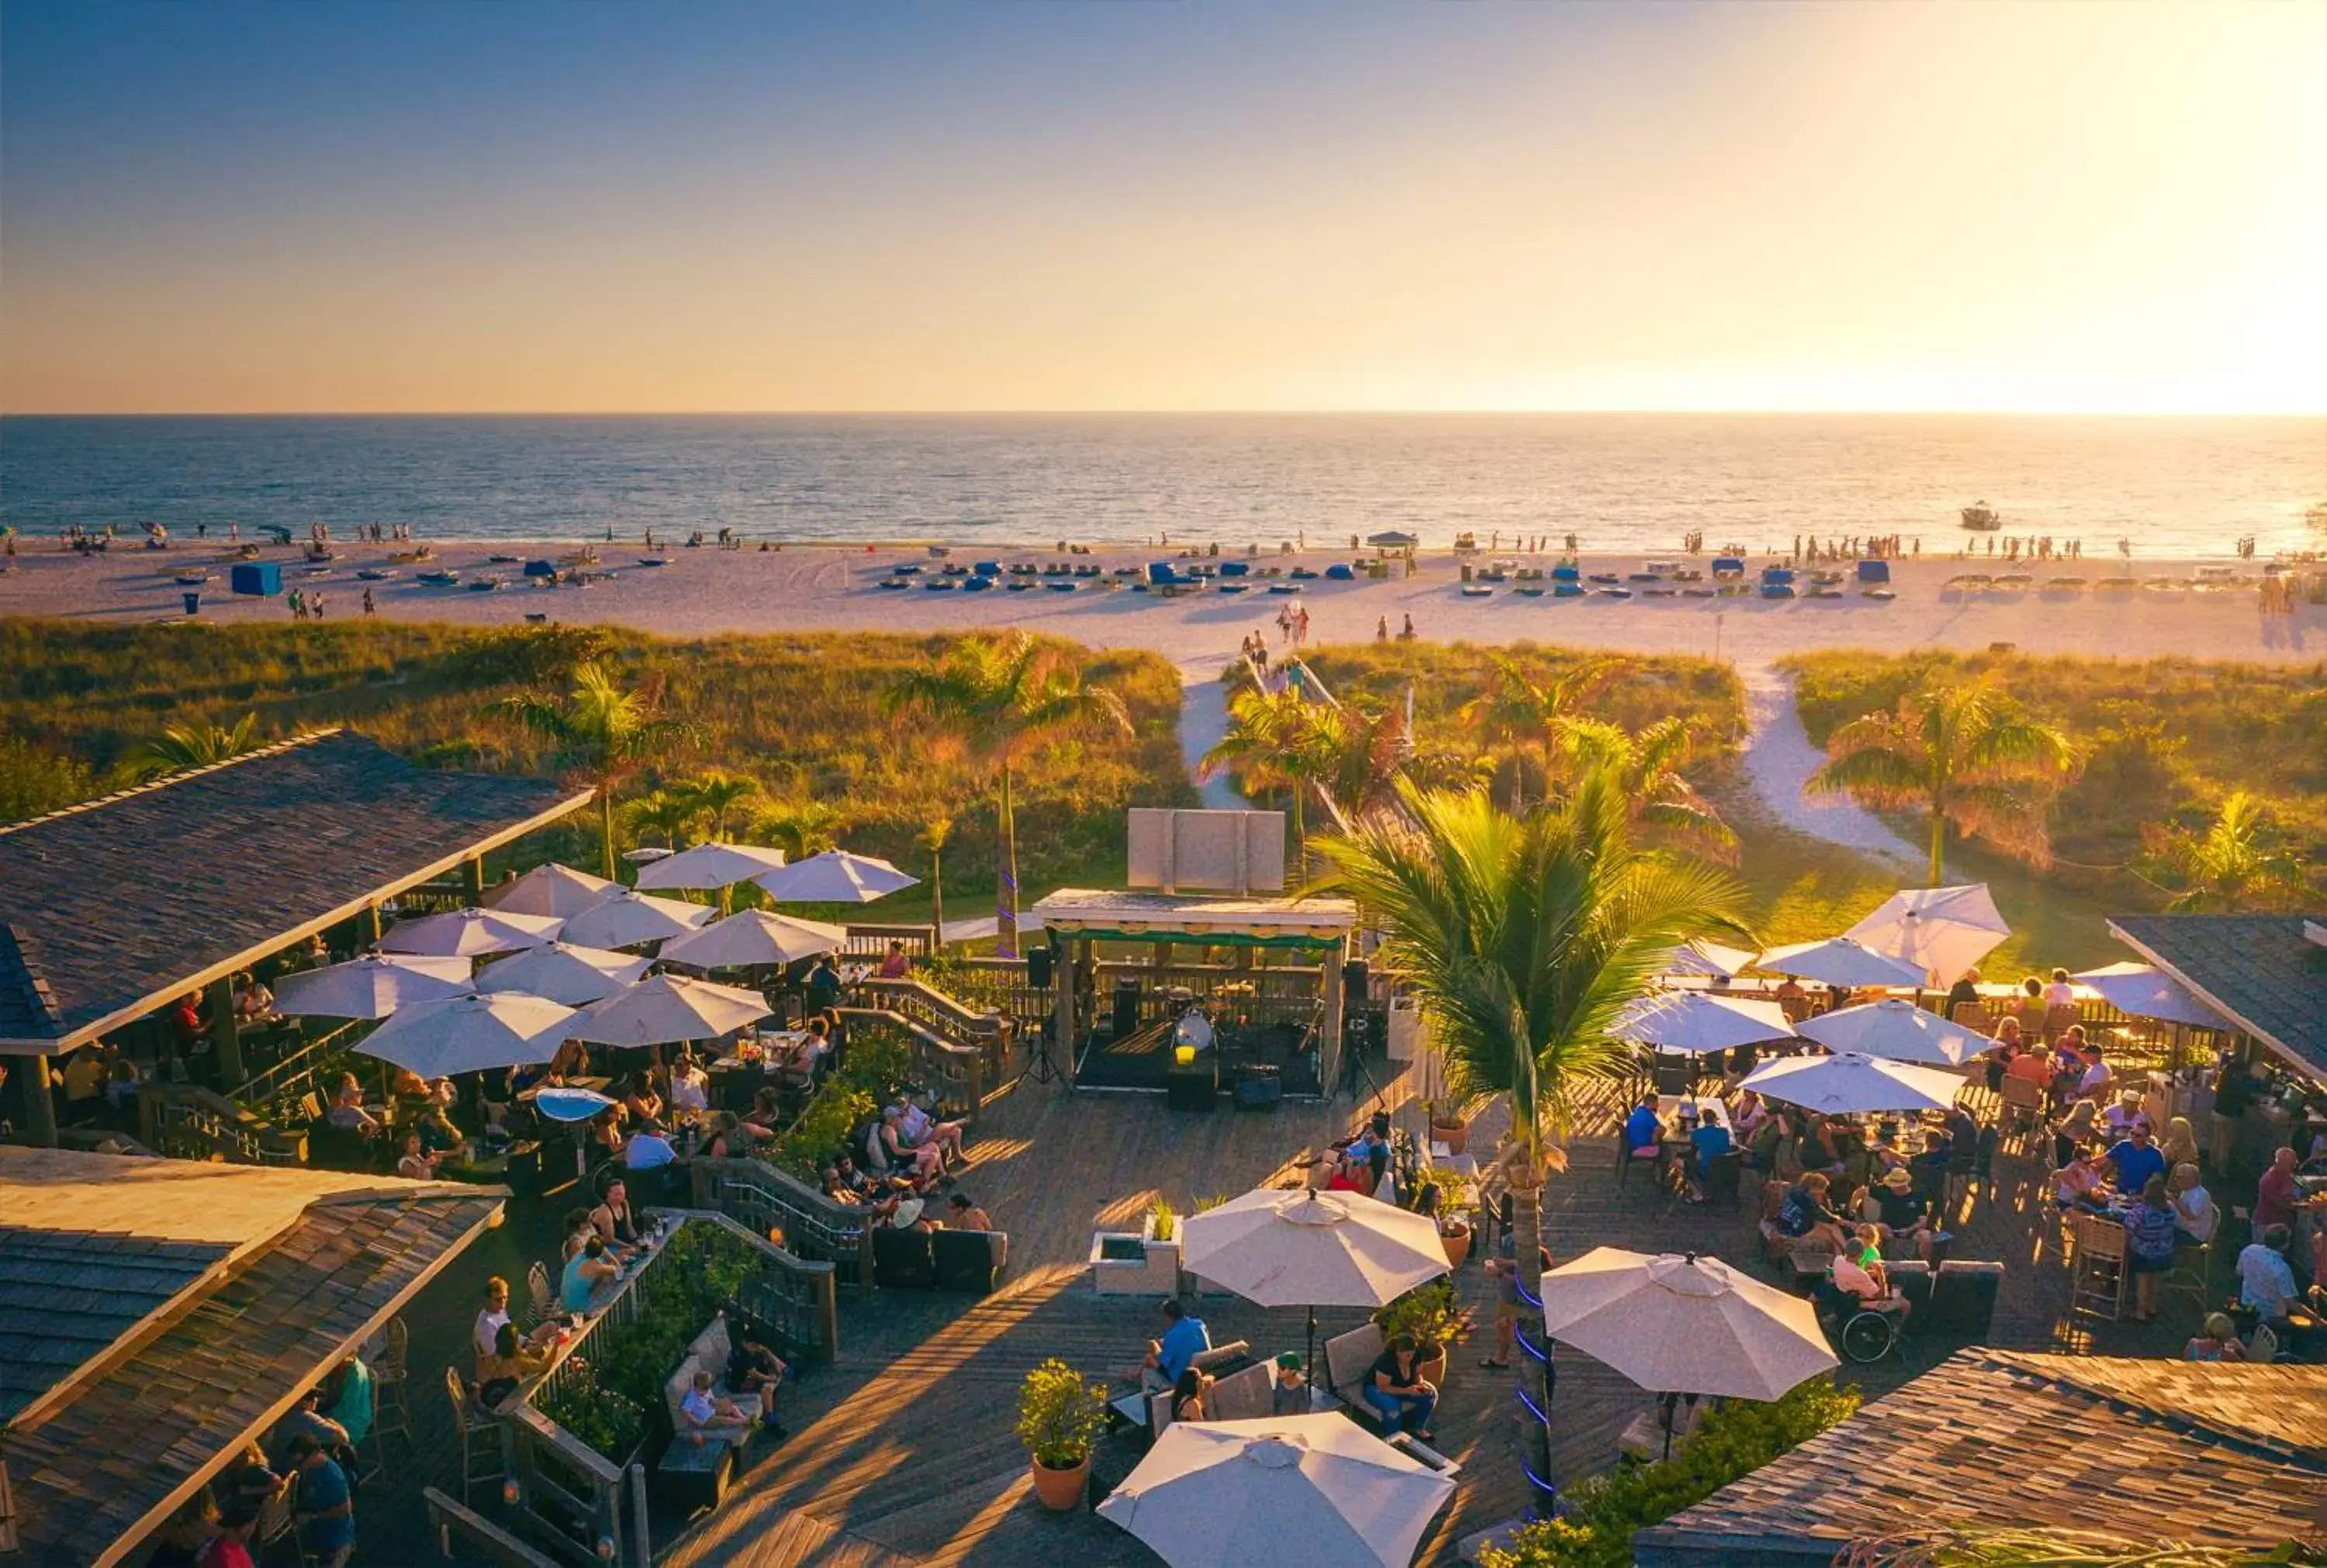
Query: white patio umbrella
[
  {"x": 1896, "y": 1030},
  {"x": 566, "y": 974},
  {"x": 371, "y": 986},
  {"x": 1696, "y": 1021},
  {"x": 711, "y": 866},
  {"x": 1301, "y": 1247},
  {"x": 754, "y": 937},
  {"x": 469, "y": 1034},
  {"x": 1277, "y": 1491},
  {"x": 1838, "y": 1085},
  {"x": 1839, "y": 961},
  {"x": 836, "y": 877},
  {"x": 667, "y": 1009},
  {"x": 469, "y": 933},
  {"x": 1709, "y": 958},
  {"x": 2143, "y": 992},
  {"x": 1678, "y": 1324},
  {"x": 553, "y": 890},
  {"x": 1943, "y": 931},
  {"x": 627, "y": 919}
]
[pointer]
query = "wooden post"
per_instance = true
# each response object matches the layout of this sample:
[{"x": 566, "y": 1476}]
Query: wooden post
[
  {"x": 1062, "y": 1009},
  {"x": 473, "y": 878},
  {"x": 39, "y": 1102},
  {"x": 372, "y": 929},
  {"x": 1329, "y": 1047},
  {"x": 225, "y": 1037}
]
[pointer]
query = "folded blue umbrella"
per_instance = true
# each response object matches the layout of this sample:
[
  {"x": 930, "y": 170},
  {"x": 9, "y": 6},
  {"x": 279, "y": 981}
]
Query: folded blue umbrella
[{"x": 564, "y": 1105}]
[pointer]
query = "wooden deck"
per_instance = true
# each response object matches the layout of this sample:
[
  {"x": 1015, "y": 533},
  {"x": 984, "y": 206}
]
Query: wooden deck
[{"x": 904, "y": 1450}]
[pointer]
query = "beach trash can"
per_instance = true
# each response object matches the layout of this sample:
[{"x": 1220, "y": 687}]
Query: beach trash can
[
  {"x": 193, "y": 598},
  {"x": 264, "y": 578}
]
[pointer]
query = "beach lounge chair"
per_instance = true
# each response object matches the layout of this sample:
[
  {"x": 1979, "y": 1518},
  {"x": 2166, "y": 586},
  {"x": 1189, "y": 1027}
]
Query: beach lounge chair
[
  {"x": 1567, "y": 574},
  {"x": 1303, "y": 573},
  {"x": 440, "y": 579},
  {"x": 1728, "y": 566},
  {"x": 938, "y": 585},
  {"x": 1777, "y": 583},
  {"x": 1233, "y": 588},
  {"x": 1235, "y": 568},
  {"x": 1567, "y": 588},
  {"x": 989, "y": 568},
  {"x": 894, "y": 583},
  {"x": 977, "y": 584},
  {"x": 1477, "y": 590},
  {"x": 1529, "y": 590},
  {"x": 1285, "y": 587}
]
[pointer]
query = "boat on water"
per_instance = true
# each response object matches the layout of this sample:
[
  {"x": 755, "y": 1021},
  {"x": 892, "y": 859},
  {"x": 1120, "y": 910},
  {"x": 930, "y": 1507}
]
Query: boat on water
[{"x": 1981, "y": 518}]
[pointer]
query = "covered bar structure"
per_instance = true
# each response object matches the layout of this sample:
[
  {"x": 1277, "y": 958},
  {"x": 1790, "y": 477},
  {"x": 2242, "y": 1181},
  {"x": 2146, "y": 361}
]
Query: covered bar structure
[{"x": 118, "y": 908}]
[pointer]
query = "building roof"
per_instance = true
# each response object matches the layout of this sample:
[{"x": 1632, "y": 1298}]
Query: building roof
[
  {"x": 2262, "y": 972},
  {"x": 109, "y": 908},
  {"x": 1152, "y": 916},
  {"x": 2217, "y": 1454},
  {"x": 223, "y": 1334}
]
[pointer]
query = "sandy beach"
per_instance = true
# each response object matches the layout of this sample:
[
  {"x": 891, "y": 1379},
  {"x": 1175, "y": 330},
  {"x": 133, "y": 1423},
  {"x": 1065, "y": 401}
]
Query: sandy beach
[{"x": 706, "y": 590}]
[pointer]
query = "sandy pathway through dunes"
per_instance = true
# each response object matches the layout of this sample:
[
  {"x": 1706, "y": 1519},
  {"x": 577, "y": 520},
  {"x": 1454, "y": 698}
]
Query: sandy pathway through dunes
[
  {"x": 1780, "y": 759},
  {"x": 1204, "y": 719}
]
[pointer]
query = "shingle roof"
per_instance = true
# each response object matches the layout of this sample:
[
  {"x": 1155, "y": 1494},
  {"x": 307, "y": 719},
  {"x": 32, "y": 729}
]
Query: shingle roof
[
  {"x": 2213, "y": 1452},
  {"x": 65, "y": 1298},
  {"x": 124, "y": 900},
  {"x": 93, "y": 1474},
  {"x": 2260, "y": 970}
]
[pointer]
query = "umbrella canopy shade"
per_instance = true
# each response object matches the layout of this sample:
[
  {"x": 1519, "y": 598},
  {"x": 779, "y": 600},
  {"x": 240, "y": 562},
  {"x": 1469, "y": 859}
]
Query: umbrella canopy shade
[
  {"x": 469, "y": 1034},
  {"x": 1684, "y": 1325},
  {"x": 1294, "y": 1489},
  {"x": 1943, "y": 931},
  {"x": 1392, "y": 538},
  {"x": 1838, "y": 1085},
  {"x": 371, "y": 986},
  {"x": 2140, "y": 990},
  {"x": 754, "y": 937},
  {"x": 1839, "y": 961},
  {"x": 552, "y": 889},
  {"x": 1709, "y": 958},
  {"x": 836, "y": 877},
  {"x": 710, "y": 865},
  {"x": 1896, "y": 1030},
  {"x": 568, "y": 1105},
  {"x": 566, "y": 973},
  {"x": 1301, "y": 1248},
  {"x": 628, "y": 919},
  {"x": 469, "y": 933},
  {"x": 667, "y": 1009},
  {"x": 1693, "y": 1021}
]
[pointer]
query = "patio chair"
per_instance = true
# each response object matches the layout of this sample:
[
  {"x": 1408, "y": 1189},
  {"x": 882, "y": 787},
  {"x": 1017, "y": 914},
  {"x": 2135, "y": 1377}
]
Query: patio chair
[
  {"x": 1627, "y": 1157},
  {"x": 2097, "y": 1272},
  {"x": 480, "y": 1436},
  {"x": 2024, "y": 1109},
  {"x": 391, "y": 1412},
  {"x": 2193, "y": 1268},
  {"x": 273, "y": 1528},
  {"x": 541, "y": 1300}
]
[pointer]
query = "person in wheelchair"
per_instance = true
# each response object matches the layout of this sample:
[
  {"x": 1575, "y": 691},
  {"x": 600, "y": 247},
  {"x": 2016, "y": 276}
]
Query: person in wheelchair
[{"x": 1860, "y": 1283}]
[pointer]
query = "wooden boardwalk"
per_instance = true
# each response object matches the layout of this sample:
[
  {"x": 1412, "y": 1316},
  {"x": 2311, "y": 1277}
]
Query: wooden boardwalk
[{"x": 904, "y": 1450}]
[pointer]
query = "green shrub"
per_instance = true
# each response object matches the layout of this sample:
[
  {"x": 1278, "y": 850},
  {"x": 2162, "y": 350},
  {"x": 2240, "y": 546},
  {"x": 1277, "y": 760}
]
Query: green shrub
[
  {"x": 1426, "y": 1314},
  {"x": 1059, "y": 1415},
  {"x": 1733, "y": 1440}
]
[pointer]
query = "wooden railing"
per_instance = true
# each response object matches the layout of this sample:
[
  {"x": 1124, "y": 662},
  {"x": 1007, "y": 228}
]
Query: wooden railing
[
  {"x": 957, "y": 1074},
  {"x": 984, "y": 1030},
  {"x": 186, "y": 1121},
  {"x": 872, "y": 941},
  {"x": 268, "y": 1094},
  {"x": 760, "y": 1197}
]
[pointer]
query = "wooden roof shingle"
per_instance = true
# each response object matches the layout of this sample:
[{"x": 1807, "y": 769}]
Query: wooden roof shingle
[{"x": 2264, "y": 972}]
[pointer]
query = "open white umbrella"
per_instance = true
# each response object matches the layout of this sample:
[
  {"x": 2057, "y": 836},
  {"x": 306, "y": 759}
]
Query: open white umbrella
[
  {"x": 1680, "y": 1324},
  {"x": 553, "y": 890},
  {"x": 628, "y": 919},
  {"x": 836, "y": 877},
  {"x": 469, "y": 1034},
  {"x": 1896, "y": 1030},
  {"x": 711, "y": 866},
  {"x": 1838, "y": 1085},
  {"x": 1943, "y": 931},
  {"x": 371, "y": 986},
  {"x": 1709, "y": 958},
  {"x": 469, "y": 933},
  {"x": 1696, "y": 1021},
  {"x": 1277, "y": 1491},
  {"x": 667, "y": 1009},
  {"x": 2143, "y": 992},
  {"x": 572, "y": 975},
  {"x": 1839, "y": 961},
  {"x": 754, "y": 937}
]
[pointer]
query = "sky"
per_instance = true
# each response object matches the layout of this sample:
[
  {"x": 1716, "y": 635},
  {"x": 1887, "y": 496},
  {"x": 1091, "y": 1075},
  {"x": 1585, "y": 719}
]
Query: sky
[{"x": 437, "y": 206}]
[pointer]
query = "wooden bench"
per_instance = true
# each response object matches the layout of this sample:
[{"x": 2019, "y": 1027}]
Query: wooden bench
[{"x": 479, "y": 1535}]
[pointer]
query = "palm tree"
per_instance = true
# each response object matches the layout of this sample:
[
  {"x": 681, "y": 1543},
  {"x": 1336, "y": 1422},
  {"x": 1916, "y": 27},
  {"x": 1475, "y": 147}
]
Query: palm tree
[
  {"x": 1261, "y": 749},
  {"x": 181, "y": 746},
  {"x": 603, "y": 733},
  {"x": 997, "y": 694},
  {"x": 1516, "y": 706},
  {"x": 932, "y": 840},
  {"x": 714, "y": 794},
  {"x": 801, "y": 828},
  {"x": 1520, "y": 937},
  {"x": 660, "y": 812},
  {"x": 1965, "y": 755},
  {"x": 1648, "y": 764},
  {"x": 2233, "y": 865},
  {"x": 1355, "y": 756}
]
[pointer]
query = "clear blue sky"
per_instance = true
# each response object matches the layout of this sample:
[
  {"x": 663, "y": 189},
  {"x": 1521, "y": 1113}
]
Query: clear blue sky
[{"x": 1288, "y": 204}]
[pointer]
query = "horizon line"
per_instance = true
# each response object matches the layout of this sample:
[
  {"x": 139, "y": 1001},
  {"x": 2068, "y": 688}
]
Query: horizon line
[{"x": 2319, "y": 412}]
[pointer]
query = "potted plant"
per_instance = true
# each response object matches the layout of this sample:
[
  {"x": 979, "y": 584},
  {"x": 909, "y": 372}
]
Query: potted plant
[
  {"x": 1059, "y": 1419},
  {"x": 1428, "y": 1316},
  {"x": 1449, "y": 1126},
  {"x": 1163, "y": 1220},
  {"x": 1458, "y": 1195}
]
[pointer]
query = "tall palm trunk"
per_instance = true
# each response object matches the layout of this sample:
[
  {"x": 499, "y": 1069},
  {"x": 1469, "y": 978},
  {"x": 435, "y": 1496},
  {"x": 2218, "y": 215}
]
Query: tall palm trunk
[
  {"x": 937, "y": 892},
  {"x": 1527, "y": 1245},
  {"x": 1938, "y": 836},
  {"x": 606, "y": 831},
  {"x": 1005, "y": 891}
]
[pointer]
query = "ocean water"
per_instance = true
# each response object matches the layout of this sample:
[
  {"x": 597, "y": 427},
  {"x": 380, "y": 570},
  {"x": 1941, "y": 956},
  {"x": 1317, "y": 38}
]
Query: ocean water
[{"x": 2173, "y": 487}]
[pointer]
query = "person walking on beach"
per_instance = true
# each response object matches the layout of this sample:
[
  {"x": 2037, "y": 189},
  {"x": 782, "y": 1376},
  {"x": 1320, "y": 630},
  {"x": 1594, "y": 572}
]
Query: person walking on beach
[
  {"x": 1381, "y": 630},
  {"x": 1301, "y": 627},
  {"x": 298, "y": 606},
  {"x": 369, "y": 607}
]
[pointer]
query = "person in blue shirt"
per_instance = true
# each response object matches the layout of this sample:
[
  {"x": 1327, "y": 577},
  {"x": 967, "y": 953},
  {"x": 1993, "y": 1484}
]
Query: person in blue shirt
[
  {"x": 2135, "y": 1159},
  {"x": 1712, "y": 1141},
  {"x": 322, "y": 1505},
  {"x": 584, "y": 1273},
  {"x": 1185, "y": 1338},
  {"x": 1643, "y": 1128}
]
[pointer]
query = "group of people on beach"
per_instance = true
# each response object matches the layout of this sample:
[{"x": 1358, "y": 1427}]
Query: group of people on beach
[
  {"x": 1854, "y": 548},
  {"x": 2044, "y": 547}
]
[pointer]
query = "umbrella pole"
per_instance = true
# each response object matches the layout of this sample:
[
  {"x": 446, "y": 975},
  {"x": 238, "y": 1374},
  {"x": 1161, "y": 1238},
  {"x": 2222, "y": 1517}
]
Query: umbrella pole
[{"x": 1309, "y": 1361}]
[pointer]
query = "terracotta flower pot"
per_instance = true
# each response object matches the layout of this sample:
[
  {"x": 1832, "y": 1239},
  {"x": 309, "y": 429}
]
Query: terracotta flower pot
[
  {"x": 1455, "y": 1135},
  {"x": 1062, "y": 1490},
  {"x": 1432, "y": 1369},
  {"x": 1458, "y": 1245}
]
